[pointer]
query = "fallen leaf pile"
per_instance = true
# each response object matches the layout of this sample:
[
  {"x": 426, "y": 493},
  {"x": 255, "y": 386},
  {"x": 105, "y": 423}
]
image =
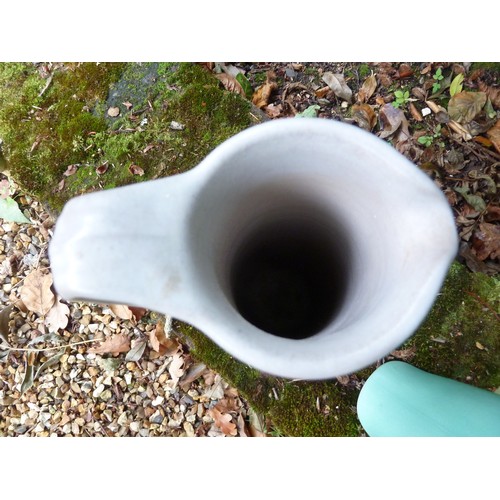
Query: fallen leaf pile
[{"x": 444, "y": 117}]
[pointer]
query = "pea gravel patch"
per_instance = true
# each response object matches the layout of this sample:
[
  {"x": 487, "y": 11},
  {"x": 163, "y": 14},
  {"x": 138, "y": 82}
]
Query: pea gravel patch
[{"x": 62, "y": 382}]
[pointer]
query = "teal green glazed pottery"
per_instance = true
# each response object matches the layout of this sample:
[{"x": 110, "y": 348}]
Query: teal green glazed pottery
[{"x": 401, "y": 400}]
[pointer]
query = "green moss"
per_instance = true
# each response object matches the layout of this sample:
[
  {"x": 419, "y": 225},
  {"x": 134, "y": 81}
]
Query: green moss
[
  {"x": 187, "y": 74},
  {"x": 315, "y": 409},
  {"x": 364, "y": 71},
  {"x": 311, "y": 71},
  {"x": 490, "y": 66},
  {"x": 460, "y": 338},
  {"x": 41, "y": 119},
  {"x": 68, "y": 124}
]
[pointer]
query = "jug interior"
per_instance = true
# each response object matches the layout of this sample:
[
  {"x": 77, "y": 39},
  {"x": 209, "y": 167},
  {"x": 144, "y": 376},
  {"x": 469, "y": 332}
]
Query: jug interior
[
  {"x": 281, "y": 257},
  {"x": 287, "y": 276}
]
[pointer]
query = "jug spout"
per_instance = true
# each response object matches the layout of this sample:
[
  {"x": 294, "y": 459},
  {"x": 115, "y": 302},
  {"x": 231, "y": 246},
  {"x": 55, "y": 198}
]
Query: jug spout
[{"x": 124, "y": 245}]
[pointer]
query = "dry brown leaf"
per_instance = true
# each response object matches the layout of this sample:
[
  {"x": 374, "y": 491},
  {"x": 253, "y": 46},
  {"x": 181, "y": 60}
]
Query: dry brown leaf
[
  {"x": 465, "y": 106},
  {"x": 223, "y": 422},
  {"x": 486, "y": 241},
  {"x": 227, "y": 405},
  {"x": 460, "y": 130},
  {"x": 405, "y": 354},
  {"x": 36, "y": 293},
  {"x": 494, "y": 135},
  {"x": 161, "y": 343},
  {"x": 415, "y": 113},
  {"x": 194, "y": 372},
  {"x": 492, "y": 92},
  {"x": 404, "y": 71},
  {"x": 256, "y": 424},
  {"x": 138, "y": 312},
  {"x": 114, "y": 345},
  {"x": 4, "y": 324},
  {"x": 337, "y": 83},
  {"x": 102, "y": 169},
  {"x": 135, "y": 170},
  {"x": 121, "y": 311},
  {"x": 492, "y": 214},
  {"x": 113, "y": 111},
  {"x": 426, "y": 69},
  {"x": 209, "y": 377},
  {"x": 483, "y": 141},
  {"x": 230, "y": 83},
  {"x": 70, "y": 170},
  {"x": 435, "y": 108},
  {"x": 242, "y": 426},
  {"x": 367, "y": 89},
  {"x": 262, "y": 95},
  {"x": 393, "y": 121},
  {"x": 176, "y": 367},
  {"x": 320, "y": 93},
  {"x": 57, "y": 317},
  {"x": 274, "y": 110},
  {"x": 364, "y": 116}
]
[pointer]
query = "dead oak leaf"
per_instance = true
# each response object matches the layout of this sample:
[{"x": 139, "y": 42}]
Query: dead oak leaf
[
  {"x": 228, "y": 405},
  {"x": 36, "y": 293},
  {"x": 161, "y": 343},
  {"x": 223, "y": 421},
  {"x": 263, "y": 93},
  {"x": 175, "y": 368},
  {"x": 57, "y": 317},
  {"x": 114, "y": 345}
]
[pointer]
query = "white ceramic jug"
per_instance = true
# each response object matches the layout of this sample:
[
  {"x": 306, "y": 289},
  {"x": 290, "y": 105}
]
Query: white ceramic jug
[{"x": 306, "y": 248}]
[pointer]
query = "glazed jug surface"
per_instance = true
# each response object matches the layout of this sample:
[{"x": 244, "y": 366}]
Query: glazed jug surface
[{"x": 306, "y": 248}]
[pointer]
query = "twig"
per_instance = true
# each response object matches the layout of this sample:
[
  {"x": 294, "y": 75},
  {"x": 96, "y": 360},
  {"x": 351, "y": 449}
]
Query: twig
[
  {"x": 49, "y": 81},
  {"x": 483, "y": 303},
  {"x": 28, "y": 349},
  {"x": 483, "y": 151}
]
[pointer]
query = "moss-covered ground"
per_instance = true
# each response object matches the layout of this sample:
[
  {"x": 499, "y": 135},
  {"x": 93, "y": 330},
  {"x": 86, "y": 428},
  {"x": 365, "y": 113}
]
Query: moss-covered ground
[
  {"x": 48, "y": 124},
  {"x": 170, "y": 116}
]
